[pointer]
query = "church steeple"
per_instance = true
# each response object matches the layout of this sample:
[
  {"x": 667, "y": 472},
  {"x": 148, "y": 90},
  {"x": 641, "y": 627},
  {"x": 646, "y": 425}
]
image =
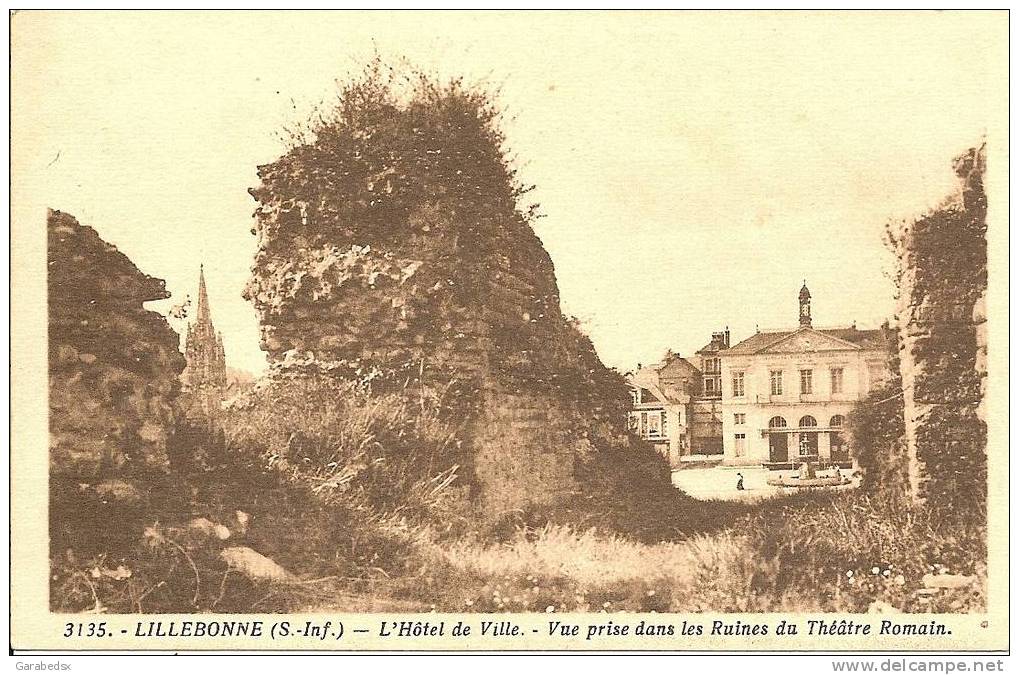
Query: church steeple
[
  {"x": 204, "y": 316},
  {"x": 204, "y": 378},
  {"x": 805, "y": 305}
]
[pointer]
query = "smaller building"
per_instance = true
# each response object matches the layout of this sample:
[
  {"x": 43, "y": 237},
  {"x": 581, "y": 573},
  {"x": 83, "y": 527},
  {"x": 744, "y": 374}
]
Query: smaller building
[
  {"x": 706, "y": 426},
  {"x": 662, "y": 395},
  {"x": 706, "y": 414},
  {"x": 711, "y": 364}
]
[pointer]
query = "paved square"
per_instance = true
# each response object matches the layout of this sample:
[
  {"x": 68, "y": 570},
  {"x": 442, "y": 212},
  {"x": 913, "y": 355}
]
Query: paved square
[{"x": 719, "y": 482}]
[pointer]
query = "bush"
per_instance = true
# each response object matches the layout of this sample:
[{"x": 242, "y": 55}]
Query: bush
[
  {"x": 393, "y": 454},
  {"x": 877, "y": 429},
  {"x": 852, "y": 549}
]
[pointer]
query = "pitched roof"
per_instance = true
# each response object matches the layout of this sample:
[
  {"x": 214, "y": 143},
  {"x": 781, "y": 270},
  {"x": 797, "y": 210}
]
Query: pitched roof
[
  {"x": 716, "y": 345},
  {"x": 649, "y": 378},
  {"x": 677, "y": 360},
  {"x": 757, "y": 341},
  {"x": 864, "y": 339},
  {"x": 710, "y": 347},
  {"x": 646, "y": 377}
]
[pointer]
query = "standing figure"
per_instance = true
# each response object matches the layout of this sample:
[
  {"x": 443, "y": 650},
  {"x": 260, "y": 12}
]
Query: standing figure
[{"x": 739, "y": 481}]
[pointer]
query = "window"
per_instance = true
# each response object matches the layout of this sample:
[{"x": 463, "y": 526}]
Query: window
[
  {"x": 836, "y": 380},
  {"x": 808, "y": 421},
  {"x": 740, "y": 445},
  {"x": 634, "y": 422},
  {"x": 709, "y": 385},
  {"x": 776, "y": 383},
  {"x": 635, "y": 395},
  {"x": 737, "y": 383},
  {"x": 776, "y": 422},
  {"x": 665, "y": 424},
  {"x": 643, "y": 425},
  {"x": 806, "y": 381},
  {"x": 837, "y": 421},
  {"x": 653, "y": 425},
  {"x": 739, "y": 418}
]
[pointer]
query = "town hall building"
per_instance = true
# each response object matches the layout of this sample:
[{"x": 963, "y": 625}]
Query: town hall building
[{"x": 786, "y": 394}]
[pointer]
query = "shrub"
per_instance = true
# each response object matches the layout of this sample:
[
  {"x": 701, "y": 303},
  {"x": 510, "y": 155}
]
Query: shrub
[
  {"x": 387, "y": 454},
  {"x": 877, "y": 428},
  {"x": 852, "y": 549}
]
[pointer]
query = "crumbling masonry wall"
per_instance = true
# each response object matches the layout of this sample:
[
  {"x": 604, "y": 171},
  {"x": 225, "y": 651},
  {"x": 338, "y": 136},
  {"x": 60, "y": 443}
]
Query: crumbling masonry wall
[
  {"x": 943, "y": 342},
  {"x": 113, "y": 365},
  {"x": 440, "y": 304},
  {"x": 392, "y": 244}
]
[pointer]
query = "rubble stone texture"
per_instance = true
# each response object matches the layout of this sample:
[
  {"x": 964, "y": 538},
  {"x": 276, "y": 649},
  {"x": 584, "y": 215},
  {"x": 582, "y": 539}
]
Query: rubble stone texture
[
  {"x": 943, "y": 341},
  {"x": 113, "y": 365},
  {"x": 396, "y": 244},
  {"x": 204, "y": 378}
]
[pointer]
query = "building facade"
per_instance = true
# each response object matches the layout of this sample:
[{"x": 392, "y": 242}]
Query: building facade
[
  {"x": 711, "y": 364},
  {"x": 706, "y": 423},
  {"x": 786, "y": 394},
  {"x": 662, "y": 396}
]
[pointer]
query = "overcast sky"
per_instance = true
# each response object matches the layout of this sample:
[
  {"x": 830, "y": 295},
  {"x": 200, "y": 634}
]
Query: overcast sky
[{"x": 694, "y": 168}]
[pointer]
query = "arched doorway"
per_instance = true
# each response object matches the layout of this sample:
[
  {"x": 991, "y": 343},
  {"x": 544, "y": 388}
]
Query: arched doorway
[
  {"x": 839, "y": 448},
  {"x": 808, "y": 439},
  {"x": 778, "y": 440}
]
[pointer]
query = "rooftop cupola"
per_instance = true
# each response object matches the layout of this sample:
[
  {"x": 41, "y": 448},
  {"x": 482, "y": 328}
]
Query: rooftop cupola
[{"x": 805, "y": 305}]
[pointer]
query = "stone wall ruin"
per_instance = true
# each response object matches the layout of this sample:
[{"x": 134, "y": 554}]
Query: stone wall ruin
[
  {"x": 113, "y": 365},
  {"x": 395, "y": 244},
  {"x": 943, "y": 342}
]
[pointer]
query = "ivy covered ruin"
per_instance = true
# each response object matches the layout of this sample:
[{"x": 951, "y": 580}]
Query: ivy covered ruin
[
  {"x": 393, "y": 247},
  {"x": 943, "y": 342}
]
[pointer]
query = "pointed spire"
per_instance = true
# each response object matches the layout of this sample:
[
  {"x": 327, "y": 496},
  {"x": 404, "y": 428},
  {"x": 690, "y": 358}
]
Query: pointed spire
[
  {"x": 203, "y": 315},
  {"x": 205, "y": 374}
]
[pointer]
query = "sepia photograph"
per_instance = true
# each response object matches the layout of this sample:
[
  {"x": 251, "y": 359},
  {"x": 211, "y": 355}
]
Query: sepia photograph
[{"x": 636, "y": 330}]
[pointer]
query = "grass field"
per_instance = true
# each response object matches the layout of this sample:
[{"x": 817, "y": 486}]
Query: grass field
[
  {"x": 362, "y": 523},
  {"x": 821, "y": 552}
]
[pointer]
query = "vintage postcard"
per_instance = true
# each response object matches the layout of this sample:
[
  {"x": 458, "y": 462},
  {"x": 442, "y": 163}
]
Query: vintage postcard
[{"x": 509, "y": 331}]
